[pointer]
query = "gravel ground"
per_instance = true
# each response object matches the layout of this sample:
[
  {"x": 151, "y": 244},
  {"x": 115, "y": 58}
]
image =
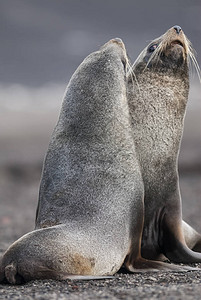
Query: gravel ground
[{"x": 123, "y": 286}]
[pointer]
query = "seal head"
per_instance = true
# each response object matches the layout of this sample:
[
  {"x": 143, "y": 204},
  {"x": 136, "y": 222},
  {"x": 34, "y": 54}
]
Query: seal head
[{"x": 169, "y": 52}]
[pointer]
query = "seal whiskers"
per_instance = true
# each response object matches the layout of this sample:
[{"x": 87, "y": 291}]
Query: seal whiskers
[{"x": 131, "y": 75}]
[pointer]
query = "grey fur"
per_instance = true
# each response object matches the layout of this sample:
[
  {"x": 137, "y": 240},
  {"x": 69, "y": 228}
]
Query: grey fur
[
  {"x": 157, "y": 95},
  {"x": 91, "y": 211},
  {"x": 91, "y": 189}
]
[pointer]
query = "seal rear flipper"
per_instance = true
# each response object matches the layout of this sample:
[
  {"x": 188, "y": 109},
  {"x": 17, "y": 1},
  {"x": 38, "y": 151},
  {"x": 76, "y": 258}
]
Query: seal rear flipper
[
  {"x": 85, "y": 277},
  {"x": 173, "y": 244},
  {"x": 192, "y": 237},
  {"x": 9, "y": 274},
  {"x": 142, "y": 265},
  {"x": 12, "y": 274},
  {"x": 45, "y": 273}
]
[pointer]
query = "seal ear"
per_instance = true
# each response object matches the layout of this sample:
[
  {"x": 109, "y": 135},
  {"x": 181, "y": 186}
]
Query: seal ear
[{"x": 124, "y": 62}]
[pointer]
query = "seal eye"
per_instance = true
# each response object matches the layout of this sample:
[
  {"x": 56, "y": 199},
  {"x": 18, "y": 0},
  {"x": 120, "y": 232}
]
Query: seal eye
[{"x": 152, "y": 48}]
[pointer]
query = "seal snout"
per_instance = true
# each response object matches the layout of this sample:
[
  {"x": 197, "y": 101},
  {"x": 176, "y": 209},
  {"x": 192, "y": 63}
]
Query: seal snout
[
  {"x": 174, "y": 40},
  {"x": 177, "y": 28},
  {"x": 118, "y": 41}
]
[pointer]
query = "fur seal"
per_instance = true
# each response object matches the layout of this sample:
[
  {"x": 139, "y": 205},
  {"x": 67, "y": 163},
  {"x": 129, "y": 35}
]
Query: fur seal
[
  {"x": 91, "y": 203},
  {"x": 158, "y": 87},
  {"x": 91, "y": 192}
]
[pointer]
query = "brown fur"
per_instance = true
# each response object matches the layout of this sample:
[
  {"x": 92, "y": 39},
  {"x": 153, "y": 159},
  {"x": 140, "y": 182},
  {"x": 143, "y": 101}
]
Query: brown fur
[{"x": 158, "y": 87}]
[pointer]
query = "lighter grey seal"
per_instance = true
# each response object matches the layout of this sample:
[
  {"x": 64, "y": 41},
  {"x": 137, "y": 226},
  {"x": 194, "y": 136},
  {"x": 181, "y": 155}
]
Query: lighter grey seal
[{"x": 91, "y": 192}]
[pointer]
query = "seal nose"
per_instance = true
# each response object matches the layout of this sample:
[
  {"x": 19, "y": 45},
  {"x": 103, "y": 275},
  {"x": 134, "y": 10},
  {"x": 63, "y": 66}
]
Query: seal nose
[
  {"x": 177, "y": 28},
  {"x": 118, "y": 40}
]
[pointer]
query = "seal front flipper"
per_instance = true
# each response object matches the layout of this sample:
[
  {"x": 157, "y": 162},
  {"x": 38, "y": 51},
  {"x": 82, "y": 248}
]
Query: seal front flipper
[
  {"x": 192, "y": 237},
  {"x": 142, "y": 265},
  {"x": 173, "y": 244}
]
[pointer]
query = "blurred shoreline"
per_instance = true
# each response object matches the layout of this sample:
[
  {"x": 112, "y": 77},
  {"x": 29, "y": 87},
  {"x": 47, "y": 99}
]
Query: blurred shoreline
[{"x": 29, "y": 114}]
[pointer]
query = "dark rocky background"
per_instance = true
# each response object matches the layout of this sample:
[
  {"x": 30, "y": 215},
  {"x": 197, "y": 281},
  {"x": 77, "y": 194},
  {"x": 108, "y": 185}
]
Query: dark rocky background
[{"x": 41, "y": 44}]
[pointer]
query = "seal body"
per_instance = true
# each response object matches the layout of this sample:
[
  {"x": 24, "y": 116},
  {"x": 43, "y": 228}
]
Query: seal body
[
  {"x": 158, "y": 89},
  {"x": 91, "y": 193}
]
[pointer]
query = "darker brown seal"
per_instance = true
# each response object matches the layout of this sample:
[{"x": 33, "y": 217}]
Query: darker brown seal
[{"x": 158, "y": 88}]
